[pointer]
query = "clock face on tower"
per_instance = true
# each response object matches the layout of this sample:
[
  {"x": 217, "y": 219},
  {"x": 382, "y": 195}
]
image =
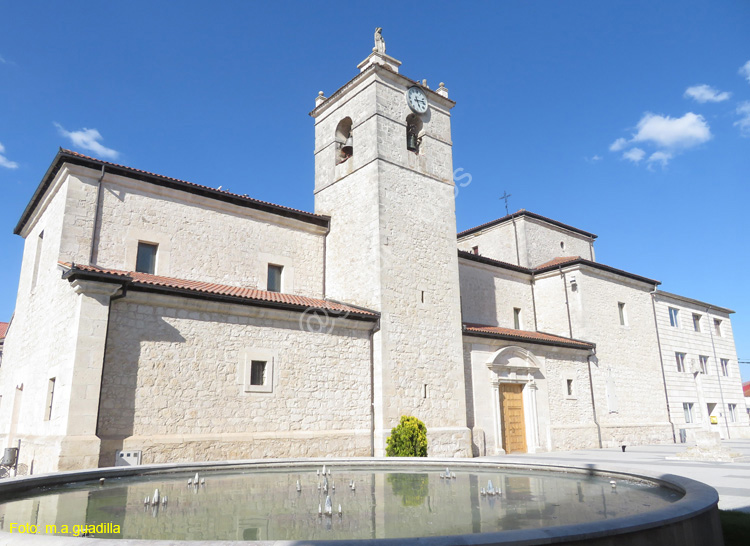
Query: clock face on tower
[{"x": 416, "y": 99}]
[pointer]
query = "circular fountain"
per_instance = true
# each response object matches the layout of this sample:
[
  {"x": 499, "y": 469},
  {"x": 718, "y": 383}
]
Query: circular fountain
[{"x": 360, "y": 501}]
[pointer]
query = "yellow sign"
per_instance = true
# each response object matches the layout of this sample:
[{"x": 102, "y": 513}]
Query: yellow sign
[{"x": 714, "y": 420}]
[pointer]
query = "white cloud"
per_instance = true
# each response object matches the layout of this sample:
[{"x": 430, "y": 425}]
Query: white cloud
[
  {"x": 618, "y": 145},
  {"x": 706, "y": 93},
  {"x": 4, "y": 161},
  {"x": 666, "y": 132},
  {"x": 659, "y": 157},
  {"x": 88, "y": 139},
  {"x": 593, "y": 159},
  {"x": 744, "y": 71},
  {"x": 634, "y": 155},
  {"x": 743, "y": 110}
]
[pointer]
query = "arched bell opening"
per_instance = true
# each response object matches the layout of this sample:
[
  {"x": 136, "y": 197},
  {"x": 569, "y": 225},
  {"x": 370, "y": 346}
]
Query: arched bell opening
[
  {"x": 414, "y": 128},
  {"x": 344, "y": 140}
]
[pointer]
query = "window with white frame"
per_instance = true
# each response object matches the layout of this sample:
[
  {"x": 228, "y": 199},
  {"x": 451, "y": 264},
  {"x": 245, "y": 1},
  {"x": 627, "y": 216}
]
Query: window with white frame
[
  {"x": 704, "y": 364},
  {"x": 256, "y": 370},
  {"x": 732, "y": 413},
  {"x": 145, "y": 261},
  {"x": 725, "y": 367},
  {"x": 680, "y": 359},
  {"x": 274, "y": 277},
  {"x": 697, "y": 322},
  {"x": 517, "y": 324},
  {"x": 687, "y": 407},
  {"x": 674, "y": 319},
  {"x": 717, "y": 327}
]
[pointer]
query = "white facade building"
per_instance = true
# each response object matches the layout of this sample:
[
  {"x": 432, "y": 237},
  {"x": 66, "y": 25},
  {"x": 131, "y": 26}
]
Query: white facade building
[{"x": 169, "y": 321}]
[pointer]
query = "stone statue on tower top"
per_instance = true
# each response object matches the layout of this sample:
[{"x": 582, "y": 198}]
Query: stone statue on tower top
[{"x": 379, "y": 41}]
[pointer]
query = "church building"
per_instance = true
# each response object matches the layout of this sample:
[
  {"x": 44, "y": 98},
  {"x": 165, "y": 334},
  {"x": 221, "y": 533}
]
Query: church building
[{"x": 158, "y": 320}]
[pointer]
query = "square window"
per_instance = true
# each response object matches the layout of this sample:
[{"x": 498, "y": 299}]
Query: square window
[
  {"x": 258, "y": 372},
  {"x": 717, "y": 327},
  {"x": 145, "y": 262},
  {"x": 516, "y": 318},
  {"x": 687, "y": 407},
  {"x": 621, "y": 311},
  {"x": 274, "y": 278},
  {"x": 725, "y": 367},
  {"x": 680, "y": 358},
  {"x": 704, "y": 364},
  {"x": 697, "y": 322},
  {"x": 673, "y": 317}
]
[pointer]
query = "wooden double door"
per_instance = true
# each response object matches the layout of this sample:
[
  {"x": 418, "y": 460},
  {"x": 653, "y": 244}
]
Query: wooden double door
[{"x": 513, "y": 422}]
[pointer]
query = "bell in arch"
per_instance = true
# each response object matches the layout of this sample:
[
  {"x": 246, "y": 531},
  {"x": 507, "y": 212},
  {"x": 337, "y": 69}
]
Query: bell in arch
[
  {"x": 412, "y": 142},
  {"x": 348, "y": 148}
]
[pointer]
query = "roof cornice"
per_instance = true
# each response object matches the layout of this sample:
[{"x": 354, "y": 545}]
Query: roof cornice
[{"x": 519, "y": 214}]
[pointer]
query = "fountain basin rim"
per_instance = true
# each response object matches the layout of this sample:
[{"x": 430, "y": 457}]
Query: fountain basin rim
[{"x": 698, "y": 498}]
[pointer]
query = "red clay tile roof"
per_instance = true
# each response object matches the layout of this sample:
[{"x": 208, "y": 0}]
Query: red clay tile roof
[
  {"x": 524, "y": 212},
  {"x": 3, "y": 329},
  {"x": 137, "y": 280},
  {"x": 524, "y": 335},
  {"x": 558, "y": 261},
  {"x": 69, "y": 156},
  {"x": 746, "y": 388}
]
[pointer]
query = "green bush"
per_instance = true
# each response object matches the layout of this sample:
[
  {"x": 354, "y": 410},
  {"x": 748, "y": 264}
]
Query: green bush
[{"x": 407, "y": 439}]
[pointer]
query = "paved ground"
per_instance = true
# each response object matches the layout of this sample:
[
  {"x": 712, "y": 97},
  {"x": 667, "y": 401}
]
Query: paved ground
[{"x": 731, "y": 480}]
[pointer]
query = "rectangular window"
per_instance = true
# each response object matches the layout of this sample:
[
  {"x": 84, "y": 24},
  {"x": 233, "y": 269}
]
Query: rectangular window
[
  {"x": 517, "y": 318},
  {"x": 475, "y": 250},
  {"x": 680, "y": 358},
  {"x": 50, "y": 397},
  {"x": 274, "y": 278},
  {"x": 704, "y": 364},
  {"x": 725, "y": 367},
  {"x": 687, "y": 407},
  {"x": 697, "y": 322},
  {"x": 717, "y": 327},
  {"x": 732, "y": 413},
  {"x": 673, "y": 317},
  {"x": 37, "y": 258},
  {"x": 621, "y": 310},
  {"x": 569, "y": 387},
  {"x": 258, "y": 372},
  {"x": 145, "y": 262}
]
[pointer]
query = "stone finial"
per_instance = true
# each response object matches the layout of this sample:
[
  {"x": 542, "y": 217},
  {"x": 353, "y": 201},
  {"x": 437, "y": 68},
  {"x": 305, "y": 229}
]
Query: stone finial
[
  {"x": 442, "y": 90},
  {"x": 379, "y": 41},
  {"x": 320, "y": 99}
]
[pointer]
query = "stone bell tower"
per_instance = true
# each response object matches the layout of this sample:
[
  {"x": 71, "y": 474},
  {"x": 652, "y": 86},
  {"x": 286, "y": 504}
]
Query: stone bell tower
[{"x": 384, "y": 174}]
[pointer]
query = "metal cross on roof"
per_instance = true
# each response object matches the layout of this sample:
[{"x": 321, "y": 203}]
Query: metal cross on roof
[{"x": 505, "y": 196}]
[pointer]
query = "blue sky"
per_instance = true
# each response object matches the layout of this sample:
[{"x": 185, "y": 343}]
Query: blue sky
[{"x": 627, "y": 119}]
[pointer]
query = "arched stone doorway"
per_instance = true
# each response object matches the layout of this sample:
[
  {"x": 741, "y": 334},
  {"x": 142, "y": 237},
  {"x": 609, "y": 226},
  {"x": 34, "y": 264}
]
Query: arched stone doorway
[{"x": 513, "y": 374}]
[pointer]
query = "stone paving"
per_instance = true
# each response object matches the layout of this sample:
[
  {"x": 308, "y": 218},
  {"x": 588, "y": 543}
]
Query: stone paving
[{"x": 731, "y": 480}]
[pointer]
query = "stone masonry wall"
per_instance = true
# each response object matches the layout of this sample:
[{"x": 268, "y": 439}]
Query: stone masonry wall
[
  {"x": 172, "y": 383},
  {"x": 542, "y": 242},
  {"x": 497, "y": 242}
]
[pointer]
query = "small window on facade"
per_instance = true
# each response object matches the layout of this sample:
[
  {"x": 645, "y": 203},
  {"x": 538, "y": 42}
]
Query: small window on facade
[
  {"x": 732, "y": 413},
  {"x": 145, "y": 262},
  {"x": 517, "y": 318},
  {"x": 37, "y": 258},
  {"x": 621, "y": 310},
  {"x": 562, "y": 245},
  {"x": 274, "y": 277},
  {"x": 673, "y": 317},
  {"x": 725, "y": 367},
  {"x": 569, "y": 387},
  {"x": 50, "y": 398},
  {"x": 717, "y": 327},
  {"x": 680, "y": 358},
  {"x": 697, "y": 322},
  {"x": 704, "y": 364},
  {"x": 258, "y": 372},
  {"x": 475, "y": 250},
  {"x": 687, "y": 407}
]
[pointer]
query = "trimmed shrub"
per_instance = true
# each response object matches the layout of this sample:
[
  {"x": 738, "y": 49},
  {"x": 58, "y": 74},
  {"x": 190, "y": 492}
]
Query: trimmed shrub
[{"x": 407, "y": 439}]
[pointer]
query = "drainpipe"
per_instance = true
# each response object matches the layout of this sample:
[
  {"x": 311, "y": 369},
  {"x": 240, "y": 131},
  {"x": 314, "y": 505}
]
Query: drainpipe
[
  {"x": 325, "y": 252},
  {"x": 593, "y": 401},
  {"x": 97, "y": 219},
  {"x": 718, "y": 373},
  {"x": 515, "y": 231},
  {"x": 661, "y": 362},
  {"x": 533, "y": 300},
  {"x": 375, "y": 329},
  {"x": 121, "y": 295},
  {"x": 567, "y": 303}
]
